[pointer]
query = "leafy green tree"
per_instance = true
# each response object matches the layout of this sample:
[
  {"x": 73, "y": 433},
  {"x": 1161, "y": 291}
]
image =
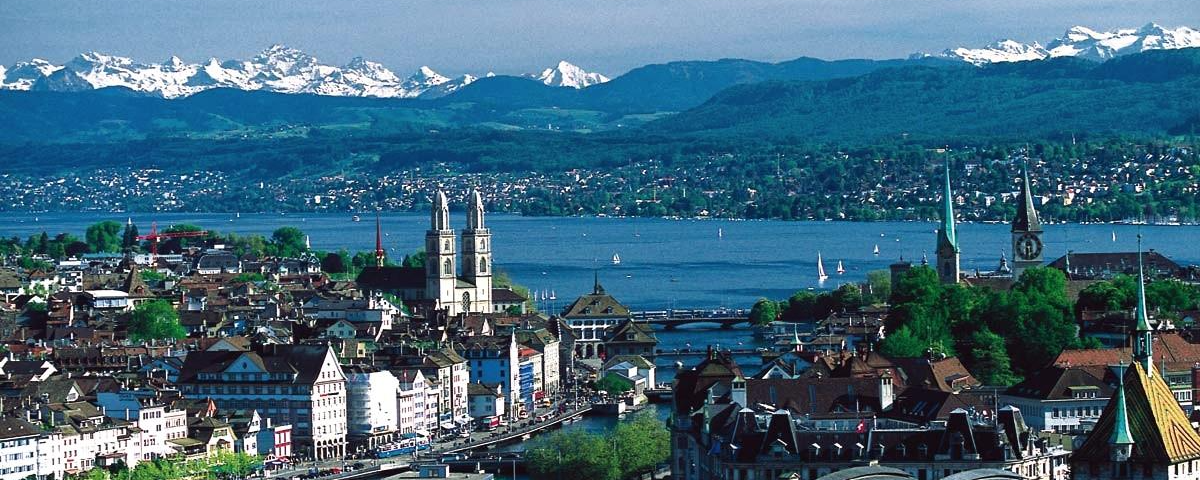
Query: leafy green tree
[
  {"x": 104, "y": 236},
  {"x": 801, "y": 306},
  {"x": 879, "y": 284},
  {"x": 989, "y": 360},
  {"x": 155, "y": 320},
  {"x": 764, "y": 312},
  {"x": 613, "y": 384},
  {"x": 1170, "y": 295},
  {"x": 288, "y": 242},
  {"x": 903, "y": 344},
  {"x": 847, "y": 297},
  {"x": 641, "y": 443},
  {"x": 415, "y": 259},
  {"x": 572, "y": 454},
  {"x": 1101, "y": 296},
  {"x": 332, "y": 263},
  {"x": 129, "y": 241}
]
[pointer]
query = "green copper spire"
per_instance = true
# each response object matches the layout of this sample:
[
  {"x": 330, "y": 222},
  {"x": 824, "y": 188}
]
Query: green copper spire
[
  {"x": 1121, "y": 440},
  {"x": 946, "y": 235},
  {"x": 1143, "y": 350},
  {"x": 1027, "y": 218}
]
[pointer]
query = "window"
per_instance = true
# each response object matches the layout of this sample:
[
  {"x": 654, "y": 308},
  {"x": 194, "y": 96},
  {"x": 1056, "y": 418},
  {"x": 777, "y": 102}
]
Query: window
[
  {"x": 447, "y": 267},
  {"x": 483, "y": 265}
]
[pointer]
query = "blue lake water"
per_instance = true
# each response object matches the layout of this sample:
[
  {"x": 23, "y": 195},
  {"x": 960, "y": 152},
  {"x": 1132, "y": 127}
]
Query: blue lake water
[{"x": 665, "y": 263}]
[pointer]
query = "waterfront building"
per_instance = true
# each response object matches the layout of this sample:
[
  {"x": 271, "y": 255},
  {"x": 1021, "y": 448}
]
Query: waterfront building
[
  {"x": 1026, "y": 231},
  {"x": 299, "y": 385},
  {"x": 494, "y": 360},
  {"x": 948, "y": 266},
  {"x": 591, "y": 316},
  {"x": 442, "y": 285},
  {"x": 529, "y": 376},
  {"x": 485, "y": 400},
  {"x": 412, "y": 412},
  {"x": 544, "y": 342},
  {"x": 371, "y": 406},
  {"x": 90, "y": 439},
  {"x": 630, "y": 338},
  {"x": 274, "y": 441}
]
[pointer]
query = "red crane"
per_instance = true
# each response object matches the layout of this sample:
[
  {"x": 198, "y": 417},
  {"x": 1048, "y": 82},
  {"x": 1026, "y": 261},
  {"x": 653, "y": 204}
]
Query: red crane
[{"x": 153, "y": 237}]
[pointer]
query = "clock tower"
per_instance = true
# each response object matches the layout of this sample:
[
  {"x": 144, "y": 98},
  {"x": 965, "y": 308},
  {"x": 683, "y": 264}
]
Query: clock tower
[{"x": 1026, "y": 231}]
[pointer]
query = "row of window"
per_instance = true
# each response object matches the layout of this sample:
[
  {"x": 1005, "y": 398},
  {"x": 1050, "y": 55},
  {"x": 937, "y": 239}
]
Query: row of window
[{"x": 1076, "y": 412}]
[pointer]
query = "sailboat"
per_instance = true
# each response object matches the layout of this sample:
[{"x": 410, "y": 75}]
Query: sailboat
[
  {"x": 840, "y": 268},
  {"x": 876, "y": 249},
  {"x": 821, "y": 276},
  {"x": 1114, "y": 235},
  {"x": 720, "y": 232},
  {"x": 616, "y": 260}
]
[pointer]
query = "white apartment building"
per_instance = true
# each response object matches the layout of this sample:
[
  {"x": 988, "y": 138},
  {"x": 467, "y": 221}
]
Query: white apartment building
[
  {"x": 371, "y": 407},
  {"x": 28, "y": 452},
  {"x": 156, "y": 421},
  {"x": 414, "y": 414},
  {"x": 299, "y": 385}
]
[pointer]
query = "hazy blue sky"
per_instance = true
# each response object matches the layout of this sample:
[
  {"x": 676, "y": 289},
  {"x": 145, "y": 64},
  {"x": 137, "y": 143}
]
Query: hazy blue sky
[{"x": 516, "y": 36}]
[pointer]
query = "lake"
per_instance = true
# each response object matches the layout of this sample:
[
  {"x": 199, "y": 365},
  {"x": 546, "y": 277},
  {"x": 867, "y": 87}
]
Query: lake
[{"x": 664, "y": 263}]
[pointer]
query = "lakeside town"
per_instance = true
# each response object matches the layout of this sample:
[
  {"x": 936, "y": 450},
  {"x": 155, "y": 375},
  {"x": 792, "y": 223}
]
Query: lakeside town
[
  {"x": 1080, "y": 183},
  {"x": 132, "y": 353}
]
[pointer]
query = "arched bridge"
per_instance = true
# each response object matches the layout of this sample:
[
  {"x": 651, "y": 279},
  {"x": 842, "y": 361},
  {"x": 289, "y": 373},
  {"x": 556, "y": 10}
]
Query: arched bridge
[{"x": 669, "y": 319}]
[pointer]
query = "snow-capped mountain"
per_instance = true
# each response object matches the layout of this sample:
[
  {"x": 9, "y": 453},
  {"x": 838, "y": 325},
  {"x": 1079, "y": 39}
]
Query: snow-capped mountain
[
  {"x": 276, "y": 69},
  {"x": 1081, "y": 42},
  {"x": 567, "y": 75}
]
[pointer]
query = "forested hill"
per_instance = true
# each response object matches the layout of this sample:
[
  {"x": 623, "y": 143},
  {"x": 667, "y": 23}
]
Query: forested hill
[{"x": 1149, "y": 93}]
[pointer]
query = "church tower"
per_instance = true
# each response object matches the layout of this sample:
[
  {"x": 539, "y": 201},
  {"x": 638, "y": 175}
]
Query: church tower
[
  {"x": 947, "y": 244},
  {"x": 477, "y": 258},
  {"x": 440, "y": 277},
  {"x": 1143, "y": 337},
  {"x": 1026, "y": 231}
]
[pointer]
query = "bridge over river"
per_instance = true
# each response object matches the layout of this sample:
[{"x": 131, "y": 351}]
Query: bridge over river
[{"x": 670, "y": 319}]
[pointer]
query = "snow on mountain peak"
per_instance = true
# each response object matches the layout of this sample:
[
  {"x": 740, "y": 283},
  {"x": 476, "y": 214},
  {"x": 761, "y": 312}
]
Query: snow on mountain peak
[
  {"x": 566, "y": 74},
  {"x": 1083, "y": 42}
]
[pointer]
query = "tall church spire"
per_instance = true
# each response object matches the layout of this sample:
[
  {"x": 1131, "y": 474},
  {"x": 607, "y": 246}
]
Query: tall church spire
[
  {"x": 1143, "y": 348},
  {"x": 1026, "y": 230},
  {"x": 1121, "y": 441},
  {"x": 947, "y": 244},
  {"x": 379, "y": 253}
]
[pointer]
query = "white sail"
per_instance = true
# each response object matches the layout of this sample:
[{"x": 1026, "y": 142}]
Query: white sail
[
  {"x": 821, "y": 276},
  {"x": 840, "y": 268},
  {"x": 720, "y": 233},
  {"x": 616, "y": 260},
  {"x": 1114, "y": 235},
  {"x": 876, "y": 249}
]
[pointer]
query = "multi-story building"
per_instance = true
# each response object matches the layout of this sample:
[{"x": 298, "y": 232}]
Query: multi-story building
[
  {"x": 90, "y": 439},
  {"x": 298, "y": 385},
  {"x": 1060, "y": 399},
  {"x": 591, "y": 316},
  {"x": 413, "y": 414},
  {"x": 157, "y": 423},
  {"x": 371, "y": 406},
  {"x": 544, "y": 342},
  {"x": 493, "y": 360},
  {"x": 28, "y": 452}
]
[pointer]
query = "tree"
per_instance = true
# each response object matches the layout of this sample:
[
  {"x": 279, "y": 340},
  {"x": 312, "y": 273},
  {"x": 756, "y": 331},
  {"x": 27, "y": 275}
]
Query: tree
[
  {"x": 155, "y": 320},
  {"x": 333, "y": 263},
  {"x": 764, "y": 312},
  {"x": 129, "y": 240},
  {"x": 415, "y": 259},
  {"x": 104, "y": 236},
  {"x": 614, "y": 385},
  {"x": 288, "y": 242},
  {"x": 879, "y": 284},
  {"x": 641, "y": 443},
  {"x": 989, "y": 359},
  {"x": 801, "y": 306},
  {"x": 572, "y": 454},
  {"x": 903, "y": 344},
  {"x": 1170, "y": 295}
]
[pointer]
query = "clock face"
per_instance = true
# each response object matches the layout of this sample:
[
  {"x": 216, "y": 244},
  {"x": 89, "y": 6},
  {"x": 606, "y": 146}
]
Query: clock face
[{"x": 1028, "y": 247}]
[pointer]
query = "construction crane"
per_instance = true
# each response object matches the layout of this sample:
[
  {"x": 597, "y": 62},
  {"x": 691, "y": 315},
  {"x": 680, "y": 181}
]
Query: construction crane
[{"x": 153, "y": 237}]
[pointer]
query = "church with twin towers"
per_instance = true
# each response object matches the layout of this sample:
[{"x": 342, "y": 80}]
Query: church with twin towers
[{"x": 457, "y": 276}]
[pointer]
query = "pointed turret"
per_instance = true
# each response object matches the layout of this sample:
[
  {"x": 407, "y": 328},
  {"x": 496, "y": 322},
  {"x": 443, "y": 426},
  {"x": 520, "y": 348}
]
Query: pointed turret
[
  {"x": 440, "y": 212},
  {"x": 475, "y": 211},
  {"x": 1143, "y": 347},
  {"x": 947, "y": 245},
  {"x": 1121, "y": 440},
  {"x": 597, "y": 289}
]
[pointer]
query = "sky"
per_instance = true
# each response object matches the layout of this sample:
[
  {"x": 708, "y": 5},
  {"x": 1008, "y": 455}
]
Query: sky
[{"x": 520, "y": 36}]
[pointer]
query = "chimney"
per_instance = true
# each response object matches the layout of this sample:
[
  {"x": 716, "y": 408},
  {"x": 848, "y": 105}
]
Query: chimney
[{"x": 886, "y": 392}]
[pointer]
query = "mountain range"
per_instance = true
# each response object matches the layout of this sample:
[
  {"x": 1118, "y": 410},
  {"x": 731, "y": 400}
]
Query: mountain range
[
  {"x": 1080, "y": 42},
  {"x": 282, "y": 69},
  {"x": 277, "y": 69}
]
